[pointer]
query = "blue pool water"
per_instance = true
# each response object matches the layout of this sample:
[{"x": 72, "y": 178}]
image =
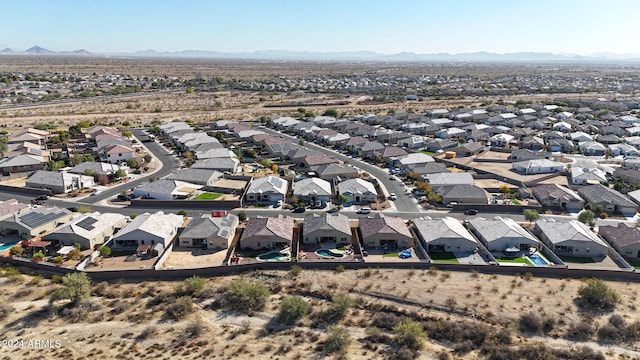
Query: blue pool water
[
  {"x": 537, "y": 260},
  {"x": 8, "y": 245},
  {"x": 327, "y": 253},
  {"x": 271, "y": 256},
  {"x": 254, "y": 167}
]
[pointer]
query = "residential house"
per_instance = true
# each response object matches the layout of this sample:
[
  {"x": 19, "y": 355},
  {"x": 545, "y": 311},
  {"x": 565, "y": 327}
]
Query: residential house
[
  {"x": 27, "y": 223},
  {"x": 611, "y": 200},
  {"x": 21, "y": 163},
  {"x": 430, "y": 168},
  {"x": 526, "y": 154},
  {"x": 268, "y": 189},
  {"x": 209, "y": 232},
  {"x": 230, "y": 164},
  {"x": 312, "y": 189},
  {"x": 558, "y": 197},
  {"x": 98, "y": 168},
  {"x": 413, "y": 142},
  {"x": 537, "y": 166},
  {"x": 204, "y": 177},
  {"x": 463, "y": 194},
  {"x": 333, "y": 228},
  {"x": 629, "y": 176},
  {"x": 116, "y": 154},
  {"x": 30, "y": 135},
  {"x": 333, "y": 171},
  {"x": 410, "y": 161},
  {"x": 451, "y": 133},
  {"x": 571, "y": 238},
  {"x": 436, "y": 145},
  {"x": 501, "y": 140},
  {"x": 388, "y": 153},
  {"x": 214, "y": 154},
  {"x": 560, "y": 145},
  {"x": 535, "y": 143},
  {"x": 380, "y": 230},
  {"x": 592, "y": 148},
  {"x": 358, "y": 191},
  {"x": 267, "y": 233},
  {"x": 445, "y": 234},
  {"x": 500, "y": 234},
  {"x": 367, "y": 149},
  {"x": 468, "y": 149},
  {"x": 165, "y": 189},
  {"x": 449, "y": 178},
  {"x": 148, "y": 230},
  {"x": 623, "y": 238},
  {"x": 587, "y": 176},
  {"x": 58, "y": 182},
  {"x": 315, "y": 159},
  {"x": 87, "y": 230},
  {"x": 580, "y": 137},
  {"x": 623, "y": 149}
]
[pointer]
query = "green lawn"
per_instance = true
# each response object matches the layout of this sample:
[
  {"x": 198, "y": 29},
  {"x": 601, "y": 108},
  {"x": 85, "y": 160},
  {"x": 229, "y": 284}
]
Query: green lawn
[
  {"x": 519, "y": 260},
  {"x": 577, "y": 259},
  {"x": 515, "y": 202},
  {"x": 443, "y": 257},
  {"x": 635, "y": 264},
  {"x": 207, "y": 196},
  {"x": 390, "y": 255},
  {"x": 427, "y": 152}
]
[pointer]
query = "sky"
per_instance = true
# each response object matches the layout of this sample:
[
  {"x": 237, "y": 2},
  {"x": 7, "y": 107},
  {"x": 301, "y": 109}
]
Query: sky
[{"x": 581, "y": 27}]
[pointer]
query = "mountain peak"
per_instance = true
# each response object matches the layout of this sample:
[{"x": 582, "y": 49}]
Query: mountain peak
[{"x": 38, "y": 50}]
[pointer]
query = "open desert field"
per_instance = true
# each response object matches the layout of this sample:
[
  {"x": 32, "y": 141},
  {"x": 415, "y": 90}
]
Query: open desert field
[{"x": 464, "y": 316}]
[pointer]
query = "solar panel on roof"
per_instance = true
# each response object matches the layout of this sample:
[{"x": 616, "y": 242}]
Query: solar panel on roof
[
  {"x": 224, "y": 233},
  {"x": 277, "y": 182},
  {"x": 87, "y": 223},
  {"x": 35, "y": 219}
]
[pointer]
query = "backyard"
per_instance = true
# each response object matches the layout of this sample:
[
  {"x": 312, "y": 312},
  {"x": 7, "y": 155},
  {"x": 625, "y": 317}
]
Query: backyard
[{"x": 207, "y": 196}]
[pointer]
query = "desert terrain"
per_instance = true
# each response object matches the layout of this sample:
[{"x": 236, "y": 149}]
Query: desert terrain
[{"x": 465, "y": 316}]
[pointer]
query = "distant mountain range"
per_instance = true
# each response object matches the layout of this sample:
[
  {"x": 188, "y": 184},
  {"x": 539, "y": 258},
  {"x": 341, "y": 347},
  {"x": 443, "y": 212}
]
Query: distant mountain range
[{"x": 481, "y": 56}]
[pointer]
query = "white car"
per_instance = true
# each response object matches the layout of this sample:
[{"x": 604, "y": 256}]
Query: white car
[
  {"x": 393, "y": 196},
  {"x": 392, "y": 177},
  {"x": 364, "y": 210}
]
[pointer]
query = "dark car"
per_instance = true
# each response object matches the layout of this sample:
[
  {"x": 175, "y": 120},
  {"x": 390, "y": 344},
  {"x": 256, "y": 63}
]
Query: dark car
[
  {"x": 333, "y": 210},
  {"x": 42, "y": 197},
  {"x": 124, "y": 197},
  {"x": 471, "y": 212},
  {"x": 299, "y": 210}
]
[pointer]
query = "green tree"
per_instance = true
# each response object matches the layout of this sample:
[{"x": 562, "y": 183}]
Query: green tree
[
  {"x": 531, "y": 215},
  {"x": 190, "y": 286},
  {"x": 242, "y": 216},
  {"x": 338, "y": 339},
  {"x": 341, "y": 304},
  {"x": 330, "y": 112},
  {"x": 190, "y": 90},
  {"x": 301, "y": 142},
  {"x": 105, "y": 251},
  {"x": 127, "y": 134},
  {"x": 292, "y": 309},
  {"x": 76, "y": 287},
  {"x": 132, "y": 163},
  {"x": 409, "y": 333},
  {"x": 246, "y": 296},
  {"x": 343, "y": 198},
  {"x": 586, "y": 217},
  {"x": 595, "y": 294},
  {"x": 266, "y": 163},
  {"x": 147, "y": 158},
  {"x": 120, "y": 174},
  {"x": 39, "y": 256}
]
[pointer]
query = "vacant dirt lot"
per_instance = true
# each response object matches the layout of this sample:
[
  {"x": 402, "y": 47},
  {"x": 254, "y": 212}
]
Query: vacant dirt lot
[{"x": 123, "y": 320}]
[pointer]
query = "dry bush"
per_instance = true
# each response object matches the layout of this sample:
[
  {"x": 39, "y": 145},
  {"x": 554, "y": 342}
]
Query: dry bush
[
  {"x": 147, "y": 332},
  {"x": 181, "y": 308},
  {"x": 530, "y": 322},
  {"x": 5, "y": 310},
  {"x": 581, "y": 331}
]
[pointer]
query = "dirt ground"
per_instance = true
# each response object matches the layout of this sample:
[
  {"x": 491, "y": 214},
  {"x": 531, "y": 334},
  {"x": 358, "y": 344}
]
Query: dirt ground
[{"x": 126, "y": 320}]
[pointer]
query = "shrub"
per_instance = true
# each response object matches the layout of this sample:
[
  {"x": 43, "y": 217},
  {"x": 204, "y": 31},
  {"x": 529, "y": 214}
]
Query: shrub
[
  {"x": 74, "y": 254},
  {"x": 195, "y": 328},
  {"x": 246, "y": 296},
  {"x": 190, "y": 286},
  {"x": 409, "y": 333},
  {"x": 105, "y": 251},
  {"x": 58, "y": 260},
  {"x": 581, "y": 331},
  {"x": 16, "y": 250},
  {"x": 292, "y": 309},
  {"x": 595, "y": 294},
  {"x": 181, "y": 308},
  {"x": 338, "y": 339},
  {"x": 632, "y": 331},
  {"x": 39, "y": 256},
  {"x": 5, "y": 310},
  {"x": 295, "y": 271},
  {"x": 617, "y": 320},
  {"x": 242, "y": 216},
  {"x": 340, "y": 268},
  {"x": 609, "y": 332},
  {"x": 530, "y": 322},
  {"x": 77, "y": 286},
  {"x": 342, "y": 303}
]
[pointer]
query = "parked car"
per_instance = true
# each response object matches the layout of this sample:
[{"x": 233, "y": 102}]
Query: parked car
[
  {"x": 393, "y": 196},
  {"x": 124, "y": 197},
  {"x": 42, "y": 197},
  {"x": 471, "y": 212},
  {"x": 392, "y": 177},
  {"x": 333, "y": 210},
  {"x": 452, "y": 204},
  {"x": 364, "y": 210},
  {"x": 299, "y": 209}
]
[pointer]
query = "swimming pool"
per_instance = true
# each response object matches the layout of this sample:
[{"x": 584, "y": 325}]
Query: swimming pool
[
  {"x": 8, "y": 245},
  {"x": 328, "y": 253},
  {"x": 271, "y": 256},
  {"x": 537, "y": 260}
]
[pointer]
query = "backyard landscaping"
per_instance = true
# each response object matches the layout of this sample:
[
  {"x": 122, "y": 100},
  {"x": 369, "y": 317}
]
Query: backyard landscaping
[
  {"x": 443, "y": 257},
  {"x": 207, "y": 196}
]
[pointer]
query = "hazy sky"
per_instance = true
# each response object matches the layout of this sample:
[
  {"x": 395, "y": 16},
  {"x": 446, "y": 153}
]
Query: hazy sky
[{"x": 428, "y": 26}]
